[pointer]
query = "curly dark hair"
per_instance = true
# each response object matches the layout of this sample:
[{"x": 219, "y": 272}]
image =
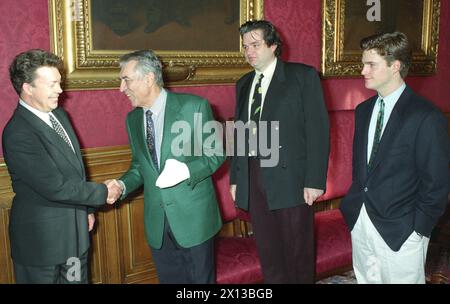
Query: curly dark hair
[
  {"x": 23, "y": 68},
  {"x": 270, "y": 34}
]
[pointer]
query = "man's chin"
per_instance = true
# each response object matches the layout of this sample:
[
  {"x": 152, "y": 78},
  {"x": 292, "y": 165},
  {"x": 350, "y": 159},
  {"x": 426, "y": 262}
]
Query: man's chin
[{"x": 368, "y": 85}]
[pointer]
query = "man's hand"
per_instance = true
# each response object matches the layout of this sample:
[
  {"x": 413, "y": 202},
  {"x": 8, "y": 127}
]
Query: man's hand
[
  {"x": 311, "y": 195},
  {"x": 114, "y": 190},
  {"x": 174, "y": 173},
  {"x": 91, "y": 221},
  {"x": 233, "y": 192}
]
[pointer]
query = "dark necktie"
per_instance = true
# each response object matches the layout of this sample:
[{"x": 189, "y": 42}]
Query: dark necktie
[
  {"x": 59, "y": 129},
  {"x": 377, "y": 137},
  {"x": 151, "y": 138},
  {"x": 255, "y": 112}
]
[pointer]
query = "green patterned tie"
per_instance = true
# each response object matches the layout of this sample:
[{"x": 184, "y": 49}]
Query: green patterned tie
[
  {"x": 255, "y": 112},
  {"x": 377, "y": 137}
]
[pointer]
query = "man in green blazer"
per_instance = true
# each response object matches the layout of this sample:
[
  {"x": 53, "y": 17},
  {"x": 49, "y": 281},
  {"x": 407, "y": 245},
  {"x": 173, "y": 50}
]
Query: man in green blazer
[{"x": 174, "y": 159}]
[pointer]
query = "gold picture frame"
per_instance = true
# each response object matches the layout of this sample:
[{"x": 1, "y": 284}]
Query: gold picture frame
[
  {"x": 87, "y": 67},
  {"x": 341, "y": 56}
]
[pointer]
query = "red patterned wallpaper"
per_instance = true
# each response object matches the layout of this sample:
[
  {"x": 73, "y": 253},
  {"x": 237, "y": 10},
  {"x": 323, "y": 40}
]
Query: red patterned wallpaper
[{"x": 99, "y": 116}]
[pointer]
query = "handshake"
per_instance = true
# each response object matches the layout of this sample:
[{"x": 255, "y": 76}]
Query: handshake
[
  {"x": 174, "y": 173},
  {"x": 115, "y": 190}
]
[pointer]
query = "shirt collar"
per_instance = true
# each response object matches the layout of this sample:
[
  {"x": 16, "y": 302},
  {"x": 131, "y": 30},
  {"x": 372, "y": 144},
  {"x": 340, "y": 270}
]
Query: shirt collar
[
  {"x": 158, "y": 106},
  {"x": 40, "y": 114},
  {"x": 392, "y": 98},
  {"x": 268, "y": 72}
]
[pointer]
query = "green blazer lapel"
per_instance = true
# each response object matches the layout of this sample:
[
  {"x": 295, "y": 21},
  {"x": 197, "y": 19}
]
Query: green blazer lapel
[{"x": 171, "y": 115}]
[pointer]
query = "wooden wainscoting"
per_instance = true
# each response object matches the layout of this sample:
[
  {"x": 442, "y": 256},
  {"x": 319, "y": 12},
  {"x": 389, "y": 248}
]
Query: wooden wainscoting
[
  {"x": 6, "y": 195},
  {"x": 120, "y": 253}
]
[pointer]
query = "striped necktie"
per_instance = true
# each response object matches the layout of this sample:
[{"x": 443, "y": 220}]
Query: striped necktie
[
  {"x": 378, "y": 130},
  {"x": 255, "y": 112},
  {"x": 255, "y": 115}
]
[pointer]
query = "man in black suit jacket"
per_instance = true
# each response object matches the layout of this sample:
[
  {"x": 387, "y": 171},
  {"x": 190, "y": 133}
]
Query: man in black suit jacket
[
  {"x": 400, "y": 169},
  {"x": 49, "y": 224},
  {"x": 279, "y": 193}
]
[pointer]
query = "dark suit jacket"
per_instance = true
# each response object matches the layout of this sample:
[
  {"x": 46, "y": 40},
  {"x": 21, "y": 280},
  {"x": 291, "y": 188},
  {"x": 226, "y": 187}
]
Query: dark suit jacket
[
  {"x": 407, "y": 186},
  {"x": 48, "y": 222},
  {"x": 191, "y": 206},
  {"x": 294, "y": 98}
]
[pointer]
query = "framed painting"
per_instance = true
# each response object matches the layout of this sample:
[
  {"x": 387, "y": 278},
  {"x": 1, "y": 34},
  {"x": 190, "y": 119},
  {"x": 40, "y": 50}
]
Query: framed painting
[
  {"x": 346, "y": 22},
  {"x": 197, "y": 40}
]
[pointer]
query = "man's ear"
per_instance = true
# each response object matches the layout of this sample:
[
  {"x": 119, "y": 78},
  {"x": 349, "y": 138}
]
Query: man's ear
[
  {"x": 150, "y": 78},
  {"x": 396, "y": 66},
  {"x": 27, "y": 89},
  {"x": 273, "y": 47}
]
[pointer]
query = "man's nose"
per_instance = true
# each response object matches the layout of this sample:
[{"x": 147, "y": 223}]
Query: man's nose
[
  {"x": 123, "y": 86},
  {"x": 364, "y": 70}
]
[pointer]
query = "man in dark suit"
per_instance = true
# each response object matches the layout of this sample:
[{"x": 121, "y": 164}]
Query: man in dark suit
[
  {"x": 400, "y": 169},
  {"x": 279, "y": 193},
  {"x": 49, "y": 223},
  {"x": 181, "y": 211}
]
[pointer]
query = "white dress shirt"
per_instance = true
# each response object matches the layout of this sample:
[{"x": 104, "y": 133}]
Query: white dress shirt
[
  {"x": 389, "y": 103},
  {"x": 265, "y": 82},
  {"x": 44, "y": 116},
  {"x": 158, "y": 109}
]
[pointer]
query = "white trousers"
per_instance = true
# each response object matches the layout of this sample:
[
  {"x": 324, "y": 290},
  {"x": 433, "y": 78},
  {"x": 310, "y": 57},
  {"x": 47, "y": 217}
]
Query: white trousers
[{"x": 375, "y": 263}]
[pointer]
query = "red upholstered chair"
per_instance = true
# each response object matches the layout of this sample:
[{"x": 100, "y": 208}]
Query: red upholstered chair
[
  {"x": 333, "y": 244},
  {"x": 333, "y": 241},
  {"x": 437, "y": 268},
  {"x": 236, "y": 259}
]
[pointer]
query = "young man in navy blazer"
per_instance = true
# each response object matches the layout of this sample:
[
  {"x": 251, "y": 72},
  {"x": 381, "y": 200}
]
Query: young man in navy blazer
[{"x": 400, "y": 169}]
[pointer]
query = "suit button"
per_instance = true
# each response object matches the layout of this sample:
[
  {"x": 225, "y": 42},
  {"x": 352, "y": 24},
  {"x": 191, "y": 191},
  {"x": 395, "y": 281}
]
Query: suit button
[{"x": 365, "y": 189}]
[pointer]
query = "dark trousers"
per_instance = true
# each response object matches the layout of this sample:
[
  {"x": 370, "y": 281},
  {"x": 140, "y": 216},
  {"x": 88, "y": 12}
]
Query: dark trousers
[
  {"x": 74, "y": 271},
  {"x": 178, "y": 265},
  {"x": 284, "y": 237}
]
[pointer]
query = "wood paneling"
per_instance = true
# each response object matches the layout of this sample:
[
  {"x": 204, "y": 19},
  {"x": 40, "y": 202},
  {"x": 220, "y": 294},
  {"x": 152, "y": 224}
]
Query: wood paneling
[{"x": 119, "y": 252}]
